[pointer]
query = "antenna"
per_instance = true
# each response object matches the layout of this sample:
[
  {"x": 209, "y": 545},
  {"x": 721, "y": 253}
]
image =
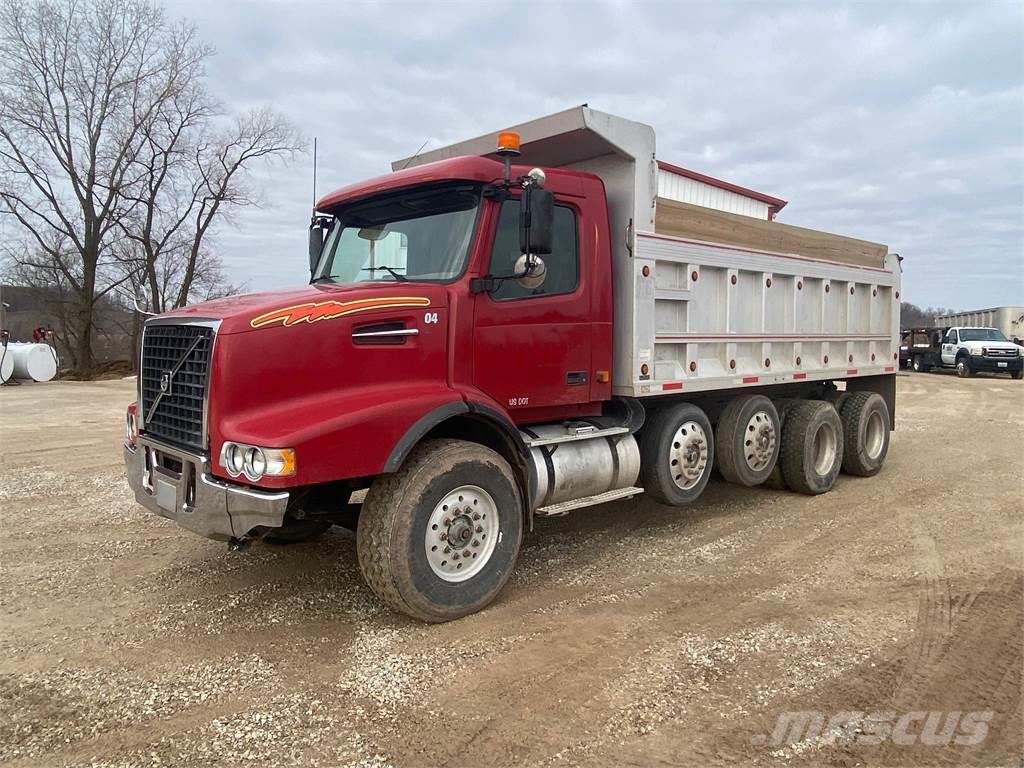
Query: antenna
[
  {"x": 416, "y": 154},
  {"x": 314, "y": 174}
]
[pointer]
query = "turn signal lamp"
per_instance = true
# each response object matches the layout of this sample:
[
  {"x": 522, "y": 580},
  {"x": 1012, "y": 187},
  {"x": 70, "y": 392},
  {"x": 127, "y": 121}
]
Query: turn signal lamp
[{"x": 508, "y": 143}]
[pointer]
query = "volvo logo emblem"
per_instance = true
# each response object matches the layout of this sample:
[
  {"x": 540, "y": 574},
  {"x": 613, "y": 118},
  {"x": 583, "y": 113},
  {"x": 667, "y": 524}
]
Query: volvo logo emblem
[{"x": 165, "y": 382}]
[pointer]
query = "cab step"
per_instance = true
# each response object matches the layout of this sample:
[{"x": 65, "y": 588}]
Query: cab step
[
  {"x": 574, "y": 432},
  {"x": 565, "y": 507}
]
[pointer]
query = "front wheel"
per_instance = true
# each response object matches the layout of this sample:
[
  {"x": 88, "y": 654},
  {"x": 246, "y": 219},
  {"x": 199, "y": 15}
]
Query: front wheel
[
  {"x": 438, "y": 539},
  {"x": 1018, "y": 374},
  {"x": 963, "y": 368},
  {"x": 297, "y": 531}
]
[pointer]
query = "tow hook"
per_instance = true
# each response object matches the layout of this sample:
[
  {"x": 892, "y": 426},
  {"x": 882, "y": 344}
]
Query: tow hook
[{"x": 239, "y": 545}]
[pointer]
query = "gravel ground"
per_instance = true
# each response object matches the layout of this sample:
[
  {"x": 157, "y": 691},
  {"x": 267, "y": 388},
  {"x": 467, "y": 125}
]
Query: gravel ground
[{"x": 630, "y": 634}]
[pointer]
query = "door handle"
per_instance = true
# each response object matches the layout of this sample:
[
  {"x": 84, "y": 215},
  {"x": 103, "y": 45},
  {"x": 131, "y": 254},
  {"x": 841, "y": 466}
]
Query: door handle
[{"x": 576, "y": 378}]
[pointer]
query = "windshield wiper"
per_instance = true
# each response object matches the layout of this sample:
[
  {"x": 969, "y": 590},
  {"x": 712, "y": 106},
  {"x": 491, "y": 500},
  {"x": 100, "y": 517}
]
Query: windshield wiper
[
  {"x": 390, "y": 270},
  {"x": 322, "y": 279}
]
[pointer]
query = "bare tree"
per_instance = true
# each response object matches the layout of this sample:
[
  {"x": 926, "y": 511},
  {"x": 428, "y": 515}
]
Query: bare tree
[
  {"x": 190, "y": 176},
  {"x": 78, "y": 80}
]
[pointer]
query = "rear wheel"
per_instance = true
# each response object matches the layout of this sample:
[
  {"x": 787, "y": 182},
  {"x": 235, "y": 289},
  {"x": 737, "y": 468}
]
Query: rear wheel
[
  {"x": 747, "y": 440},
  {"x": 677, "y": 448},
  {"x": 812, "y": 447},
  {"x": 438, "y": 539},
  {"x": 775, "y": 480},
  {"x": 865, "y": 418}
]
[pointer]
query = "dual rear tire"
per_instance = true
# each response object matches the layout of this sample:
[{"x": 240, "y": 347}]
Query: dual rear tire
[{"x": 801, "y": 445}]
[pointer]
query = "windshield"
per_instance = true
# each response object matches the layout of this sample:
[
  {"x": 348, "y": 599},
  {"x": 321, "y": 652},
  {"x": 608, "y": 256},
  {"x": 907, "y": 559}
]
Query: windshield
[
  {"x": 421, "y": 234},
  {"x": 981, "y": 334}
]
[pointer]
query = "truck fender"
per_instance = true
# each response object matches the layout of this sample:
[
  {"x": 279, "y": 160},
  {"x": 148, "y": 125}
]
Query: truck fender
[
  {"x": 419, "y": 430},
  {"x": 435, "y": 418},
  {"x": 453, "y": 416}
]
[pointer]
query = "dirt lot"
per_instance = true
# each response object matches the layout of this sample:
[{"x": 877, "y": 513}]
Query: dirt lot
[{"x": 631, "y": 634}]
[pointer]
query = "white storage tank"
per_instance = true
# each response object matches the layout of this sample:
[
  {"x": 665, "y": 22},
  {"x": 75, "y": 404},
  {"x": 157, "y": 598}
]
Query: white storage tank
[
  {"x": 33, "y": 361},
  {"x": 6, "y": 365}
]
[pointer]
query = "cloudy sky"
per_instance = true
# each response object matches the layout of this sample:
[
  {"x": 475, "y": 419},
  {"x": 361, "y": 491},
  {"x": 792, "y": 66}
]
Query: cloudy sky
[{"x": 899, "y": 122}]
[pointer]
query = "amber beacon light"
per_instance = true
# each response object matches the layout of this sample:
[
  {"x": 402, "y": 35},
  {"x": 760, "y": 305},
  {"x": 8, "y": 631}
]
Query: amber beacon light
[{"x": 508, "y": 143}]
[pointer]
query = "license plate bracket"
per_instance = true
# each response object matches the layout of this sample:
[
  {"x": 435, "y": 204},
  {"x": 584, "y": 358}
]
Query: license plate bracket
[
  {"x": 166, "y": 495},
  {"x": 1002, "y": 364}
]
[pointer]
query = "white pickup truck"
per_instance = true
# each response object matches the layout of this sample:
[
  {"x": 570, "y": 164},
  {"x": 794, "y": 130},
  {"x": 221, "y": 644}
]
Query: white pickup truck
[{"x": 970, "y": 350}]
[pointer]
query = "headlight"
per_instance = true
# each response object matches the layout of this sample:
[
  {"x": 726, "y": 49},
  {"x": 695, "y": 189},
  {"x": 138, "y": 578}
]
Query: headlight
[
  {"x": 234, "y": 459},
  {"x": 256, "y": 462}
]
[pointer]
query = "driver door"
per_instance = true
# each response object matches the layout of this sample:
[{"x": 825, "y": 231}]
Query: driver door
[
  {"x": 532, "y": 345},
  {"x": 950, "y": 344}
]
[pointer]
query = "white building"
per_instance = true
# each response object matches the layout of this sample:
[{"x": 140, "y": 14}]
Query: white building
[
  {"x": 1009, "y": 320},
  {"x": 686, "y": 186}
]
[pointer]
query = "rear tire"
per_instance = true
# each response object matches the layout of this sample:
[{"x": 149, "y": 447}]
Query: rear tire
[
  {"x": 446, "y": 491},
  {"x": 812, "y": 447},
  {"x": 775, "y": 480},
  {"x": 677, "y": 449},
  {"x": 747, "y": 440},
  {"x": 865, "y": 418}
]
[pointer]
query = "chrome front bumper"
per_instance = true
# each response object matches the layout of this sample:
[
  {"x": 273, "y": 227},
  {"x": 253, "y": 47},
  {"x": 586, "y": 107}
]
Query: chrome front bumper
[{"x": 177, "y": 485}]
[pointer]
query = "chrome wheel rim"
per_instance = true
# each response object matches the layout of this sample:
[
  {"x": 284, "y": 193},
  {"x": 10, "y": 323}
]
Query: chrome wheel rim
[
  {"x": 759, "y": 441},
  {"x": 688, "y": 455},
  {"x": 874, "y": 435},
  {"x": 462, "y": 533},
  {"x": 824, "y": 449}
]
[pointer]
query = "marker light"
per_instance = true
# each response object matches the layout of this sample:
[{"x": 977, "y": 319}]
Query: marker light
[{"x": 508, "y": 143}]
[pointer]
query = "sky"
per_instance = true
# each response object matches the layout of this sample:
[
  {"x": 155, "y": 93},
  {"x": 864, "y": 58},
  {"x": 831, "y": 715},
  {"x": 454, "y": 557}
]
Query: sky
[{"x": 897, "y": 122}]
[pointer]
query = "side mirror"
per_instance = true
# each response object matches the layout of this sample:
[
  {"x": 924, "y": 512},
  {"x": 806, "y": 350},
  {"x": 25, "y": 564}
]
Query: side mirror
[
  {"x": 316, "y": 244},
  {"x": 536, "y": 221}
]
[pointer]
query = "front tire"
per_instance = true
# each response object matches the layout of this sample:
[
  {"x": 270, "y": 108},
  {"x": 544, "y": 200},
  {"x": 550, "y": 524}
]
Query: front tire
[
  {"x": 963, "y": 368},
  {"x": 297, "y": 531},
  {"x": 677, "y": 448},
  {"x": 447, "y": 492}
]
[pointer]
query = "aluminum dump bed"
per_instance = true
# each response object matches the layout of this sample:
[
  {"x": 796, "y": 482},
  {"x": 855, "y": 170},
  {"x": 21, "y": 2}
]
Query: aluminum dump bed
[{"x": 727, "y": 301}]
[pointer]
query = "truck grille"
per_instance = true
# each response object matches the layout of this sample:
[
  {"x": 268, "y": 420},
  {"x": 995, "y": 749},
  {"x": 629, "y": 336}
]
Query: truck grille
[
  {"x": 174, "y": 377},
  {"x": 990, "y": 352}
]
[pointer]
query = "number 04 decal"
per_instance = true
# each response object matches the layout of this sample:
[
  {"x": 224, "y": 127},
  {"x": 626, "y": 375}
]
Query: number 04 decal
[{"x": 430, "y": 318}]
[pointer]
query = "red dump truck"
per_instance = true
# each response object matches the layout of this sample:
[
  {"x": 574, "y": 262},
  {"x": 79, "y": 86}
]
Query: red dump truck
[{"x": 513, "y": 327}]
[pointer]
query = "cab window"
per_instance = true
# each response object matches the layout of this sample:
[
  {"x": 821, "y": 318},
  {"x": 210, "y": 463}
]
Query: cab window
[
  {"x": 562, "y": 263},
  {"x": 951, "y": 337}
]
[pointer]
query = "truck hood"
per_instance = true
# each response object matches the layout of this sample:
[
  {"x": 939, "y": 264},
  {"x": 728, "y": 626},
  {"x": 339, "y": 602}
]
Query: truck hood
[
  {"x": 311, "y": 304},
  {"x": 979, "y": 345}
]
